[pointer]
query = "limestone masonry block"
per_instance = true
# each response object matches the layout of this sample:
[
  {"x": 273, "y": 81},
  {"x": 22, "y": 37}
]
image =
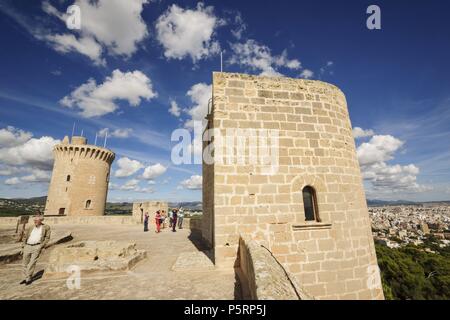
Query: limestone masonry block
[{"x": 89, "y": 256}]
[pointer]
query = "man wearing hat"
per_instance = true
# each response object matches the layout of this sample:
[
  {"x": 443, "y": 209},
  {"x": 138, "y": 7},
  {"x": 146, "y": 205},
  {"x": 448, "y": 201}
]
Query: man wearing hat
[{"x": 34, "y": 241}]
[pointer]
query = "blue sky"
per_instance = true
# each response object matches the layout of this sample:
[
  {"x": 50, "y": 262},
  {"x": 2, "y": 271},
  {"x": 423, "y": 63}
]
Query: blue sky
[{"x": 395, "y": 80}]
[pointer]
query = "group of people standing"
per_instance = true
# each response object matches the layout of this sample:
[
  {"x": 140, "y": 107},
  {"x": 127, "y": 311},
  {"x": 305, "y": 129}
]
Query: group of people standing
[{"x": 174, "y": 216}]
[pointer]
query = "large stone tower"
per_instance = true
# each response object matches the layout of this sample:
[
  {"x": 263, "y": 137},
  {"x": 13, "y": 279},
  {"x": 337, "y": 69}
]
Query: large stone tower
[
  {"x": 311, "y": 211},
  {"x": 80, "y": 178}
]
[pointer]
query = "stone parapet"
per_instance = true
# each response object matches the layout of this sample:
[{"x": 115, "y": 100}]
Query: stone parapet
[
  {"x": 105, "y": 220},
  {"x": 263, "y": 277}
]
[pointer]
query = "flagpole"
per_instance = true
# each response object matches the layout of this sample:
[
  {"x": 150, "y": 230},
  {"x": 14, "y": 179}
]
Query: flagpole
[
  {"x": 106, "y": 136},
  {"x": 73, "y": 129}
]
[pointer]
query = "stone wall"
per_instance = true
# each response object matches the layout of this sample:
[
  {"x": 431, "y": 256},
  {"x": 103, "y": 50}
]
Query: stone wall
[
  {"x": 208, "y": 200},
  {"x": 103, "y": 220},
  {"x": 193, "y": 224},
  {"x": 334, "y": 257},
  {"x": 262, "y": 277},
  {"x": 140, "y": 208}
]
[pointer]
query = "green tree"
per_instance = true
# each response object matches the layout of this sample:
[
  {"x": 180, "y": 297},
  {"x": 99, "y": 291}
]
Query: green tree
[{"x": 412, "y": 273}]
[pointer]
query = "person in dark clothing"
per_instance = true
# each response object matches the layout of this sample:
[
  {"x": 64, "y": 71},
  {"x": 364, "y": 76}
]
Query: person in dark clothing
[
  {"x": 146, "y": 222},
  {"x": 174, "y": 217}
]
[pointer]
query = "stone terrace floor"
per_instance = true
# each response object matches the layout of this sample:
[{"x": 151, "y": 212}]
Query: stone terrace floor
[{"x": 153, "y": 278}]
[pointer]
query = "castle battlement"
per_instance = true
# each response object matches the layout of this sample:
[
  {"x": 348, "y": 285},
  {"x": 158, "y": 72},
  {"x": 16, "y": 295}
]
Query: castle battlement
[{"x": 84, "y": 151}]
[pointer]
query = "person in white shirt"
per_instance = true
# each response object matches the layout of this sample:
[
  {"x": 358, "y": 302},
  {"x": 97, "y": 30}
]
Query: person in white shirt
[
  {"x": 180, "y": 218},
  {"x": 34, "y": 241},
  {"x": 170, "y": 218}
]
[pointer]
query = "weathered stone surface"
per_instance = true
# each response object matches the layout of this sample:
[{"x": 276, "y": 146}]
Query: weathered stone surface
[
  {"x": 10, "y": 252},
  {"x": 263, "y": 277},
  {"x": 150, "y": 207},
  {"x": 193, "y": 261},
  {"x": 152, "y": 278},
  {"x": 94, "y": 256}
]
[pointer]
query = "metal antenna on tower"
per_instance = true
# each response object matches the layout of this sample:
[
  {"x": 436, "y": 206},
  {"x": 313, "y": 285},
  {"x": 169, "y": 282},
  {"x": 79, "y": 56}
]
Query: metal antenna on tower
[
  {"x": 73, "y": 129},
  {"x": 81, "y": 132},
  {"x": 106, "y": 136},
  {"x": 95, "y": 143},
  {"x": 221, "y": 62}
]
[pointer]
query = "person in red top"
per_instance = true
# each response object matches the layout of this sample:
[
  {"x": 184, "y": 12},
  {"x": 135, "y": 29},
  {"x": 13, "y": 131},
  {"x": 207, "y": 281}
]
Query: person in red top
[{"x": 158, "y": 221}]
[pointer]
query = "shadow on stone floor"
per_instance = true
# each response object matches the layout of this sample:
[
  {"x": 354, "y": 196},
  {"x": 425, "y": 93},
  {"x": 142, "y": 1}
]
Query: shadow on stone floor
[
  {"x": 196, "y": 238},
  {"x": 38, "y": 275}
]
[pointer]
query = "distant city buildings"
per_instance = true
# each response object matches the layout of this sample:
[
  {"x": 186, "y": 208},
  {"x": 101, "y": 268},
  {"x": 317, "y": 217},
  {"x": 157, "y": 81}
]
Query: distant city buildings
[{"x": 395, "y": 226}]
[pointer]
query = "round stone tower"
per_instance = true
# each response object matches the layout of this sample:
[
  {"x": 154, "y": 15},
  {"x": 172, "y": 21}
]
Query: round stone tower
[{"x": 80, "y": 178}]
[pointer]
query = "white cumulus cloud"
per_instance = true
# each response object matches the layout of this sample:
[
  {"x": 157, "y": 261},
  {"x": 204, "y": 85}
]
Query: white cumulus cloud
[
  {"x": 188, "y": 32},
  {"x": 12, "y": 181},
  {"x": 200, "y": 95},
  {"x": 380, "y": 148},
  {"x": 8, "y": 170},
  {"x": 259, "y": 57},
  {"x": 127, "y": 167},
  {"x": 383, "y": 177},
  {"x": 10, "y": 137},
  {"x": 34, "y": 152},
  {"x": 174, "y": 108},
  {"x": 87, "y": 46},
  {"x": 154, "y": 171},
  {"x": 307, "y": 74},
  {"x": 131, "y": 185},
  {"x": 37, "y": 176},
  {"x": 361, "y": 133},
  {"x": 112, "y": 26},
  {"x": 21, "y": 154},
  {"x": 193, "y": 183},
  {"x": 117, "y": 133},
  {"x": 97, "y": 100},
  {"x": 393, "y": 178}
]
